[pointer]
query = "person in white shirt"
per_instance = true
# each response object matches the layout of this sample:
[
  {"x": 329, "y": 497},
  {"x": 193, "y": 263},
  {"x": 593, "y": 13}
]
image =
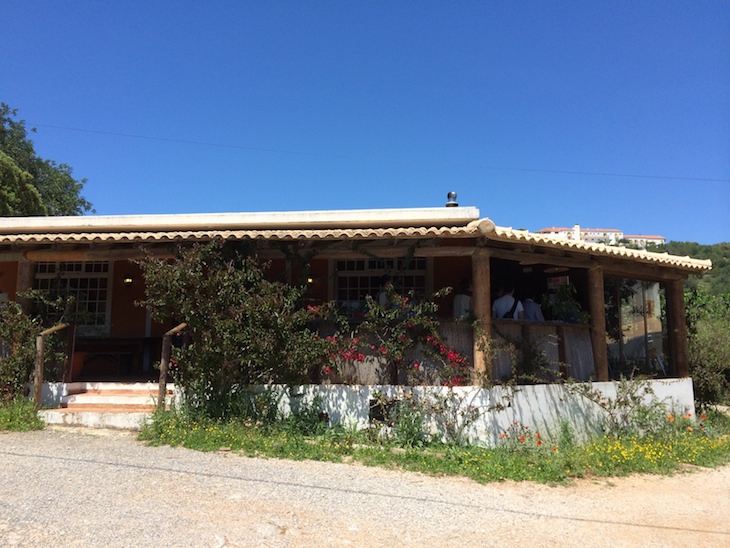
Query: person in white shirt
[
  {"x": 507, "y": 303},
  {"x": 462, "y": 301},
  {"x": 533, "y": 312}
]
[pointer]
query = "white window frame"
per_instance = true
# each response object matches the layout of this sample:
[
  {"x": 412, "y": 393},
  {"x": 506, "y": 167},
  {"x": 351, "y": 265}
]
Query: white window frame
[
  {"x": 83, "y": 272},
  {"x": 372, "y": 269}
]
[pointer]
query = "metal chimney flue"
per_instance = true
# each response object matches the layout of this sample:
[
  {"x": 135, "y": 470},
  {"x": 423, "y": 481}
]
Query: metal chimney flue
[{"x": 451, "y": 199}]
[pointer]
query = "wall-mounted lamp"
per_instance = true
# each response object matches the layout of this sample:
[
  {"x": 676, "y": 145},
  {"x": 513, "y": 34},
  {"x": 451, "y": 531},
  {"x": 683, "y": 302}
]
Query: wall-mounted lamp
[
  {"x": 128, "y": 280},
  {"x": 310, "y": 280}
]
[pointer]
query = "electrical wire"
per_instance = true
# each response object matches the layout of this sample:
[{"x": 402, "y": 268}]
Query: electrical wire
[{"x": 307, "y": 153}]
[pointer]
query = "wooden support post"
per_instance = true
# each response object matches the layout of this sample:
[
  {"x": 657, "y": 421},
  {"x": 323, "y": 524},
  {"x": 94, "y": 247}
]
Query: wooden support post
[
  {"x": 165, "y": 363},
  {"x": 677, "y": 329},
  {"x": 26, "y": 279},
  {"x": 481, "y": 307},
  {"x": 597, "y": 310}
]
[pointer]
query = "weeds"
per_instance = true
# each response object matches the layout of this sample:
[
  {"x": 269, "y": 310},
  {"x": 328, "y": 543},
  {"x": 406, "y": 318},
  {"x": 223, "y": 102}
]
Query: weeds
[
  {"x": 522, "y": 454},
  {"x": 20, "y": 415}
]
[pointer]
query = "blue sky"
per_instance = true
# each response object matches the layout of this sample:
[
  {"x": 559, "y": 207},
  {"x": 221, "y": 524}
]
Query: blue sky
[{"x": 606, "y": 114}]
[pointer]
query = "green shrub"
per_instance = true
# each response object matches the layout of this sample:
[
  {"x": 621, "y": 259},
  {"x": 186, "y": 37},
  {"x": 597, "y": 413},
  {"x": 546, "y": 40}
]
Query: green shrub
[
  {"x": 708, "y": 328},
  {"x": 242, "y": 329},
  {"x": 19, "y": 415},
  {"x": 17, "y": 351}
]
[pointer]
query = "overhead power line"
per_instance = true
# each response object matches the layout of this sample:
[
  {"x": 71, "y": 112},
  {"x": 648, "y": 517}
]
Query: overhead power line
[{"x": 307, "y": 153}]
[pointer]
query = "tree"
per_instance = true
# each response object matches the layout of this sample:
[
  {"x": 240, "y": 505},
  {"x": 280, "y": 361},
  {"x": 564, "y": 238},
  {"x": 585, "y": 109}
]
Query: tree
[
  {"x": 30, "y": 185},
  {"x": 716, "y": 281}
]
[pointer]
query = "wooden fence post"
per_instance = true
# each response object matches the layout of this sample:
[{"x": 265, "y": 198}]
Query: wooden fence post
[
  {"x": 165, "y": 363},
  {"x": 40, "y": 351}
]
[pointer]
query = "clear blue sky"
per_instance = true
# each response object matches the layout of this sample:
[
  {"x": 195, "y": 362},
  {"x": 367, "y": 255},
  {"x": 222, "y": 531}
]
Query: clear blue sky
[{"x": 607, "y": 114}]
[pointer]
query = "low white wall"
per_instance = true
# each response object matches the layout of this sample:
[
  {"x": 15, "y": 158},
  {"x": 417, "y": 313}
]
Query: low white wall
[
  {"x": 542, "y": 408},
  {"x": 51, "y": 393}
]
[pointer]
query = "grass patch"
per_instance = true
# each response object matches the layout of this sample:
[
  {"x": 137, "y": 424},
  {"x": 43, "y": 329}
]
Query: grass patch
[
  {"x": 705, "y": 442},
  {"x": 19, "y": 416}
]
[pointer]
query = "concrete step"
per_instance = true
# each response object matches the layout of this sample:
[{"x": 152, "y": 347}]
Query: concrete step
[
  {"x": 95, "y": 419},
  {"x": 118, "y": 398},
  {"x": 107, "y": 405},
  {"x": 108, "y": 408},
  {"x": 146, "y": 387}
]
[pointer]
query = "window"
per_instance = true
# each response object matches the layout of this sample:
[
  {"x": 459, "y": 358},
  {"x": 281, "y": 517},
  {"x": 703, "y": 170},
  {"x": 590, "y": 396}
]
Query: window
[
  {"x": 357, "y": 278},
  {"x": 88, "y": 283},
  {"x": 634, "y": 327}
]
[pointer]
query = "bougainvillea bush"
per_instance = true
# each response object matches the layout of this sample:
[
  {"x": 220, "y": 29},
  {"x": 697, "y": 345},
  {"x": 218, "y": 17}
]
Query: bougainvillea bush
[{"x": 244, "y": 330}]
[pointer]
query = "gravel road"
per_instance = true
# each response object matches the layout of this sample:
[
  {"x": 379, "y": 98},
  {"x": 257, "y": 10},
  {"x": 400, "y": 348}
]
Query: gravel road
[{"x": 71, "y": 487}]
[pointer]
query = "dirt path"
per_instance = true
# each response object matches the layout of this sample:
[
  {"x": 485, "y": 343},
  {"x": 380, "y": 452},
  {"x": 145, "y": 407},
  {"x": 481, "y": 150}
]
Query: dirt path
[{"x": 81, "y": 488}]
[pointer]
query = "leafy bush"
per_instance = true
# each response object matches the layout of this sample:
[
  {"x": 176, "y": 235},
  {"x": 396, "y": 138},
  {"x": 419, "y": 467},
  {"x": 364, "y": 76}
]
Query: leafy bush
[
  {"x": 245, "y": 330},
  {"x": 633, "y": 411},
  {"x": 708, "y": 329},
  {"x": 404, "y": 336},
  {"x": 242, "y": 329},
  {"x": 17, "y": 350}
]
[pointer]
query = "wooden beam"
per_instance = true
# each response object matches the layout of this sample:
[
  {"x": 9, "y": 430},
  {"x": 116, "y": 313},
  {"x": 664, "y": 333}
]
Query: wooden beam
[
  {"x": 532, "y": 258},
  {"x": 642, "y": 271},
  {"x": 381, "y": 252},
  {"x": 11, "y": 256},
  {"x": 59, "y": 255}
]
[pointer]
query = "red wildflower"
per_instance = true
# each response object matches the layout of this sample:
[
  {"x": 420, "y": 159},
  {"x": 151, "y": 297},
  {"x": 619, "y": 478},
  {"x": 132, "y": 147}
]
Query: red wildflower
[{"x": 522, "y": 438}]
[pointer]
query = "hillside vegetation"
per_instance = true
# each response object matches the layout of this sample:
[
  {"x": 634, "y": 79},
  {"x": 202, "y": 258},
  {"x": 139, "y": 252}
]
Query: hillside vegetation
[{"x": 717, "y": 280}]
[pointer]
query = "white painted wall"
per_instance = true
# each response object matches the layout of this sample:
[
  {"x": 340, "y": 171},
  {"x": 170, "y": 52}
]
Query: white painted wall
[{"x": 542, "y": 408}]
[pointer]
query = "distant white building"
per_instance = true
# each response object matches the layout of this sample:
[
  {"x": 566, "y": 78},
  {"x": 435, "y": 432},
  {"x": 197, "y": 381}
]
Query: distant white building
[
  {"x": 642, "y": 239},
  {"x": 609, "y": 236}
]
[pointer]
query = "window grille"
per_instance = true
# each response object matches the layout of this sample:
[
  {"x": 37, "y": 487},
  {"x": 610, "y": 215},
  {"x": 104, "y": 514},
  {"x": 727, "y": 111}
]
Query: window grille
[
  {"x": 89, "y": 285},
  {"x": 357, "y": 278}
]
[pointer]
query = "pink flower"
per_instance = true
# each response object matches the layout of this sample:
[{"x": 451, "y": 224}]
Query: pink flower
[
  {"x": 328, "y": 370},
  {"x": 416, "y": 365}
]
